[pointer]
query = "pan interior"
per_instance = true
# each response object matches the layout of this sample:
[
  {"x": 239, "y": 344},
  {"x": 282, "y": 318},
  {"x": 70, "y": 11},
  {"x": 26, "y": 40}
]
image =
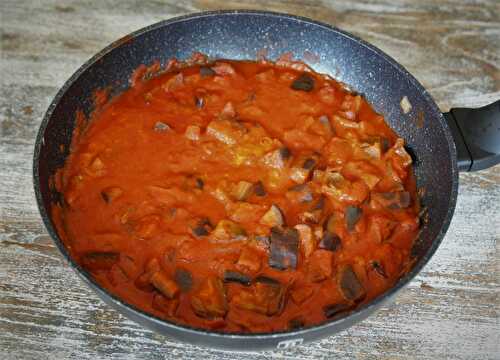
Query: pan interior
[{"x": 247, "y": 35}]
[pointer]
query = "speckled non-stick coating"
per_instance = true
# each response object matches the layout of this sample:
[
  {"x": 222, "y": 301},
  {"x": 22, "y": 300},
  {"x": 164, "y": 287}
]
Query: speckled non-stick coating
[{"x": 246, "y": 35}]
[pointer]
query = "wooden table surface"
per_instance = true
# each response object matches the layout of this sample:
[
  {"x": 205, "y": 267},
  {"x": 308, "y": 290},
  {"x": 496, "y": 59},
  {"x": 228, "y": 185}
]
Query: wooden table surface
[{"x": 449, "y": 311}]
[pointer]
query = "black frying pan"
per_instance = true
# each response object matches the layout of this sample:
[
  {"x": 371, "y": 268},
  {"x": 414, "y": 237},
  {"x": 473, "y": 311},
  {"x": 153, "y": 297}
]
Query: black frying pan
[{"x": 471, "y": 136}]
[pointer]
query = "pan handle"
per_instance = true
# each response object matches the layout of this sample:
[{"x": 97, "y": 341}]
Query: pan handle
[{"x": 477, "y": 136}]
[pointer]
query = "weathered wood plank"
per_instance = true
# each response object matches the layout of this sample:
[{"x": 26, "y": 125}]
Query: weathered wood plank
[{"x": 450, "y": 311}]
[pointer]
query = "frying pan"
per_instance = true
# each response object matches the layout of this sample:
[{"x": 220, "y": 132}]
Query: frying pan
[{"x": 441, "y": 144}]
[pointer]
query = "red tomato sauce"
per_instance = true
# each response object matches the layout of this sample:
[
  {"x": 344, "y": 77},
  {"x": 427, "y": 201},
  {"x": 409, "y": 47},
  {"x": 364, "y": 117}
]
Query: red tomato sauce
[{"x": 240, "y": 196}]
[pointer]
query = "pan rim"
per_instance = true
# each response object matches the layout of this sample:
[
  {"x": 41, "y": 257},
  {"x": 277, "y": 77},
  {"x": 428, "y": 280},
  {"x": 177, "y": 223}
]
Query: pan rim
[{"x": 361, "y": 311}]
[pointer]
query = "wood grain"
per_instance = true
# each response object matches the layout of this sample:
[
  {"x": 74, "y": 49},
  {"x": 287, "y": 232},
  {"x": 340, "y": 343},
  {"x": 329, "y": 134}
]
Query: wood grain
[{"x": 450, "y": 311}]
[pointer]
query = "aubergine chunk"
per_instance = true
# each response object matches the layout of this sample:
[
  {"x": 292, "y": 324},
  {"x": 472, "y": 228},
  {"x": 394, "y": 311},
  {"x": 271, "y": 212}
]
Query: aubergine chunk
[
  {"x": 349, "y": 284},
  {"x": 284, "y": 248},
  {"x": 330, "y": 241},
  {"x": 209, "y": 300},
  {"x": 199, "y": 102},
  {"x": 319, "y": 266},
  {"x": 202, "y": 228},
  {"x": 393, "y": 200},
  {"x": 259, "y": 189},
  {"x": 285, "y": 153},
  {"x": 273, "y": 217},
  {"x": 296, "y": 323},
  {"x": 301, "y": 293},
  {"x": 184, "y": 279},
  {"x": 206, "y": 71},
  {"x": 303, "y": 82},
  {"x": 161, "y": 303},
  {"x": 165, "y": 285},
  {"x": 352, "y": 216},
  {"x": 143, "y": 281},
  {"x": 266, "y": 296},
  {"x": 249, "y": 259},
  {"x": 309, "y": 164},
  {"x": 100, "y": 260},
  {"x": 237, "y": 277},
  {"x": 335, "y": 309}
]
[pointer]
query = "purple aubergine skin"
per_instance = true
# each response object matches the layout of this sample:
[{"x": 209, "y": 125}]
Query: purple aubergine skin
[{"x": 243, "y": 35}]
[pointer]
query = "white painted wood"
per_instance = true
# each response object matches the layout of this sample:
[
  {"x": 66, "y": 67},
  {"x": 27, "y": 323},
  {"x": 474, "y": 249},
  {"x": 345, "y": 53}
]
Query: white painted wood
[{"x": 450, "y": 311}]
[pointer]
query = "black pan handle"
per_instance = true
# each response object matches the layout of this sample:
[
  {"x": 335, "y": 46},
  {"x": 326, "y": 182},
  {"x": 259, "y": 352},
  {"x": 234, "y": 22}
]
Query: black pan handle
[{"x": 477, "y": 136}]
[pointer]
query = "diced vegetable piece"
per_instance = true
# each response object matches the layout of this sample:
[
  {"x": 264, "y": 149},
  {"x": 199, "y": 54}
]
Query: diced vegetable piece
[
  {"x": 143, "y": 282},
  {"x": 338, "y": 151},
  {"x": 385, "y": 144},
  {"x": 310, "y": 217},
  {"x": 111, "y": 193},
  {"x": 373, "y": 151},
  {"x": 205, "y": 71},
  {"x": 222, "y": 68},
  {"x": 202, "y": 228},
  {"x": 128, "y": 266},
  {"x": 343, "y": 122},
  {"x": 174, "y": 83},
  {"x": 370, "y": 180},
  {"x": 267, "y": 280},
  {"x": 295, "y": 323},
  {"x": 228, "y": 230},
  {"x": 349, "y": 284},
  {"x": 352, "y": 216},
  {"x": 307, "y": 242},
  {"x": 223, "y": 131},
  {"x": 299, "y": 175},
  {"x": 259, "y": 189},
  {"x": 330, "y": 241},
  {"x": 96, "y": 260},
  {"x": 393, "y": 200},
  {"x": 274, "y": 159},
  {"x": 164, "y": 284},
  {"x": 299, "y": 294},
  {"x": 284, "y": 248},
  {"x": 266, "y": 296},
  {"x": 300, "y": 193},
  {"x": 380, "y": 228},
  {"x": 235, "y": 276},
  {"x": 161, "y": 303},
  {"x": 193, "y": 132},
  {"x": 242, "y": 190},
  {"x": 200, "y": 183},
  {"x": 228, "y": 112},
  {"x": 184, "y": 279},
  {"x": 330, "y": 224},
  {"x": 405, "y": 104},
  {"x": 322, "y": 127},
  {"x": 209, "y": 301},
  {"x": 199, "y": 102},
  {"x": 309, "y": 164},
  {"x": 304, "y": 82},
  {"x": 249, "y": 259},
  {"x": 97, "y": 164},
  {"x": 335, "y": 309},
  {"x": 320, "y": 266},
  {"x": 399, "y": 155},
  {"x": 244, "y": 212},
  {"x": 161, "y": 127},
  {"x": 273, "y": 217},
  {"x": 285, "y": 153},
  {"x": 379, "y": 268}
]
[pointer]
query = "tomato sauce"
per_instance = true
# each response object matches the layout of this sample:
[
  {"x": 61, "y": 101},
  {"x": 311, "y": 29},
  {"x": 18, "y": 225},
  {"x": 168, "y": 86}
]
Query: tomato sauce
[{"x": 240, "y": 197}]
